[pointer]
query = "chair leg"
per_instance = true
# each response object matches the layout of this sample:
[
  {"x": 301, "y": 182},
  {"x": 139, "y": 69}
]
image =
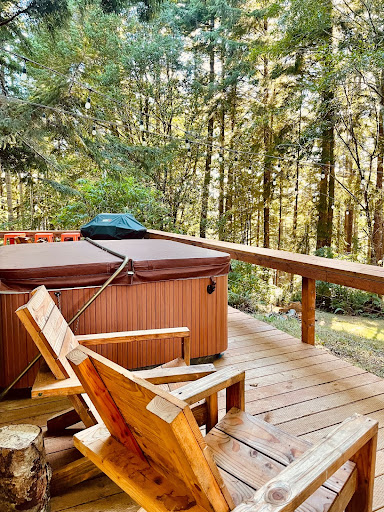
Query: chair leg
[
  {"x": 72, "y": 474},
  {"x": 82, "y": 408},
  {"x": 365, "y": 460},
  {"x": 212, "y": 411},
  {"x": 235, "y": 396},
  {"x": 63, "y": 420}
]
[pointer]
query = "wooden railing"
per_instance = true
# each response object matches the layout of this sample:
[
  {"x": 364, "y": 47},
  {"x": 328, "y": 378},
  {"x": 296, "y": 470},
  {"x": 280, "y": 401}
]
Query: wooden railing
[
  {"x": 311, "y": 268},
  {"x": 356, "y": 275},
  {"x": 32, "y": 233}
]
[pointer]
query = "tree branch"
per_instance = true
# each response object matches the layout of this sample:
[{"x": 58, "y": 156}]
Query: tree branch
[{"x": 15, "y": 15}]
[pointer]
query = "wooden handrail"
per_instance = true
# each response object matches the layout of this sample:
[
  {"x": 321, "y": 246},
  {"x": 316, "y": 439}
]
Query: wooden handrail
[
  {"x": 33, "y": 232},
  {"x": 356, "y": 275},
  {"x": 347, "y": 273}
]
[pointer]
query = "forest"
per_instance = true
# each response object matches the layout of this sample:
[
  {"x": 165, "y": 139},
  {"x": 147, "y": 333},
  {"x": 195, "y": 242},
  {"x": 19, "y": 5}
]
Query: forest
[{"x": 258, "y": 122}]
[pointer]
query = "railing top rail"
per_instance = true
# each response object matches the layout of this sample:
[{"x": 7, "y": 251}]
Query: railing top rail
[
  {"x": 347, "y": 273},
  {"x": 31, "y": 232}
]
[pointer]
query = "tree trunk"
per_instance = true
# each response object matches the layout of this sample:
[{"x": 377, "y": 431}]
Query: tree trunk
[
  {"x": 267, "y": 189},
  {"x": 331, "y": 198},
  {"x": 296, "y": 204},
  {"x": 208, "y": 158},
  {"x": 280, "y": 234},
  {"x": 377, "y": 242},
  {"x": 231, "y": 178},
  {"x": 24, "y": 472},
  {"x": 258, "y": 228},
  {"x": 327, "y": 193},
  {"x": 21, "y": 206},
  {"x": 3, "y": 87},
  {"x": 350, "y": 217},
  {"x": 348, "y": 228},
  {"x": 207, "y": 181},
  {"x": 222, "y": 175},
  {"x": 8, "y": 187},
  {"x": 266, "y": 199},
  {"x": 327, "y": 182}
]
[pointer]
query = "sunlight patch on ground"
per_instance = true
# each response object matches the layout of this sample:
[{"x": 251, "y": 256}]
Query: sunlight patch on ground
[
  {"x": 366, "y": 328},
  {"x": 357, "y": 339}
]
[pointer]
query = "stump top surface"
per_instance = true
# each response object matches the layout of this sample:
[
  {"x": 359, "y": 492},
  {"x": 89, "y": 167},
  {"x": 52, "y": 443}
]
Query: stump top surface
[{"x": 18, "y": 437}]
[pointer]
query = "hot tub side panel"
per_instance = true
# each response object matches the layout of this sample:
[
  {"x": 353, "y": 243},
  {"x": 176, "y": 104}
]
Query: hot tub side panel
[
  {"x": 16, "y": 347},
  {"x": 152, "y": 305}
]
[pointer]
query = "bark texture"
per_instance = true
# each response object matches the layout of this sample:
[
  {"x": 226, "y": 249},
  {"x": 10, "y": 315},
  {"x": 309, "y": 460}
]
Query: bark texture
[{"x": 24, "y": 472}]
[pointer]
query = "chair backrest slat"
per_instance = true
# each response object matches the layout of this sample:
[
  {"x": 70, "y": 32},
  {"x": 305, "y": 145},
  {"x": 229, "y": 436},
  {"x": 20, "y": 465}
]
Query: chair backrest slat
[
  {"x": 55, "y": 329},
  {"x": 49, "y": 330},
  {"x": 162, "y": 425}
]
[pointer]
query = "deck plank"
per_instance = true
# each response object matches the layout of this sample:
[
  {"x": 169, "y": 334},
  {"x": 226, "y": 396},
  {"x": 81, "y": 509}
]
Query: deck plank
[{"x": 305, "y": 390}]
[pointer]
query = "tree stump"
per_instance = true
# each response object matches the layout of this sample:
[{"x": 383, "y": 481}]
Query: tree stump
[{"x": 24, "y": 471}]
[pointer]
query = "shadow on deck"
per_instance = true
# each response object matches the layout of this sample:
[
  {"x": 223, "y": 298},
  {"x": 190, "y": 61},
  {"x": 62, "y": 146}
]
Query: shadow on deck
[{"x": 303, "y": 389}]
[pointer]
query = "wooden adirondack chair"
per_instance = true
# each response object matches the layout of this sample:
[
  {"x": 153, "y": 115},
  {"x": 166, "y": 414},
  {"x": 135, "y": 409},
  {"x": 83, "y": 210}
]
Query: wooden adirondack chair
[
  {"x": 153, "y": 449},
  {"x": 54, "y": 339}
]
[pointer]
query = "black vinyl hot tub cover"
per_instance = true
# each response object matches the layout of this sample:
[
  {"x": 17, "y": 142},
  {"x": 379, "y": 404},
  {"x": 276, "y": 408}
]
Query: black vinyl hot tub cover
[{"x": 113, "y": 226}]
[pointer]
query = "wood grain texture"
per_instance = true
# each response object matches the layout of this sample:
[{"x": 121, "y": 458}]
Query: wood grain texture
[
  {"x": 267, "y": 439},
  {"x": 255, "y": 469},
  {"x": 72, "y": 474},
  {"x": 365, "y": 460},
  {"x": 102, "y": 401},
  {"x": 156, "y": 420},
  {"x": 62, "y": 420},
  {"x": 88, "y": 340},
  {"x": 176, "y": 374},
  {"x": 151, "y": 414},
  {"x": 134, "y": 475},
  {"x": 235, "y": 396},
  {"x": 308, "y": 300},
  {"x": 282, "y": 382},
  {"x": 203, "y": 388},
  {"x": 311, "y": 470},
  {"x": 45, "y": 349},
  {"x": 158, "y": 305},
  {"x": 46, "y": 384},
  {"x": 356, "y": 275},
  {"x": 212, "y": 411}
]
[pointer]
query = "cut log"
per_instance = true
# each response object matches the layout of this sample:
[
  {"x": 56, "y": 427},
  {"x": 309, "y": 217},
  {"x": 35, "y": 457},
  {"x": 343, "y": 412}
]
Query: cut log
[{"x": 24, "y": 472}]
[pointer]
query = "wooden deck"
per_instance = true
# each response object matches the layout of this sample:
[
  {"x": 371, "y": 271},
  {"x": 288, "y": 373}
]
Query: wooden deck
[{"x": 304, "y": 389}]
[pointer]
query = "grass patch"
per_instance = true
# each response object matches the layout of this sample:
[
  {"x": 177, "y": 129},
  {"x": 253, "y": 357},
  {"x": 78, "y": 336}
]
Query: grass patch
[{"x": 359, "y": 340}]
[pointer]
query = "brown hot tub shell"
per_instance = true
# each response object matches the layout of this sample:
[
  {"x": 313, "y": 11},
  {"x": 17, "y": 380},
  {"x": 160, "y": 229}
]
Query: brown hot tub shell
[{"x": 168, "y": 288}]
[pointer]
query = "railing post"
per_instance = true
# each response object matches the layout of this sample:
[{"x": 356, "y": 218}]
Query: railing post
[{"x": 308, "y": 302}]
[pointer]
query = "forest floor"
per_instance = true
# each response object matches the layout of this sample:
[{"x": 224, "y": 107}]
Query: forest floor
[{"x": 357, "y": 339}]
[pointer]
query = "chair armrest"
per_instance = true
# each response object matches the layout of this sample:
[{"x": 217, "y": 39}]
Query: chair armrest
[
  {"x": 176, "y": 374},
  {"x": 46, "y": 384},
  {"x": 88, "y": 340},
  {"x": 355, "y": 439},
  {"x": 207, "y": 386}
]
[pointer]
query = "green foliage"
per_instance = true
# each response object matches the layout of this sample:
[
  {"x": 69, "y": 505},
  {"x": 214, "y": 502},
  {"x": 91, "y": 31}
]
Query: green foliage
[
  {"x": 112, "y": 196},
  {"x": 271, "y": 79},
  {"x": 51, "y": 12},
  {"x": 248, "y": 286},
  {"x": 325, "y": 252},
  {"x": 347, "y": 301}
]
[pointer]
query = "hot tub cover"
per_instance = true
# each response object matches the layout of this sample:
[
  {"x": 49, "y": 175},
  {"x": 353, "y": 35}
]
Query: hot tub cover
[
  {"x": 76, "y": 264},
  {"x": 113, "y": 226}
]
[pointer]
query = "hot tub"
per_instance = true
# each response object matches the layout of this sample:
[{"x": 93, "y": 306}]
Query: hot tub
[{"x": 165, "y": 284}]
